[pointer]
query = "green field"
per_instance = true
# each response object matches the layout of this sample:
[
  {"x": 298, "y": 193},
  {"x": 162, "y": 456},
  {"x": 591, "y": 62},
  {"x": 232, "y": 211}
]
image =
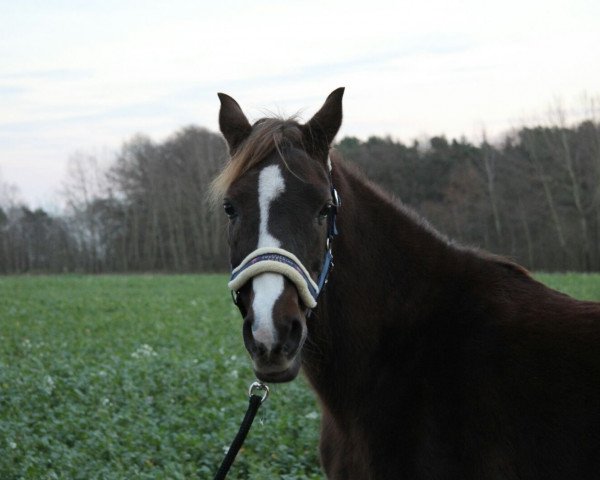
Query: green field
[{"x": 145, "y": 377}]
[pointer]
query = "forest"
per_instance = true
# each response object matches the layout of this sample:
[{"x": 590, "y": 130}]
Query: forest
[{"x": 533, "y": 196}]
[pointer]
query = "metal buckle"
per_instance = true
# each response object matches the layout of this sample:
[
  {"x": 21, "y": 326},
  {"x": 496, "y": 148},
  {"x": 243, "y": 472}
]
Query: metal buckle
[
  {"x": 255, "y": 386},
  {"x": 336, "y": 198}
]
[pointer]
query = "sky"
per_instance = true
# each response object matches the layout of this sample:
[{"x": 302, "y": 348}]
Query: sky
[{"x": 85, "y": 76}]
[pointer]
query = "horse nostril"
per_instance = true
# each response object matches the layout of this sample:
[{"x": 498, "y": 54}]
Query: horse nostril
[
  {"x": 247, "y": 328},
  {"x": 260, "y": 349},
  {"x": 247, "y": 334},
  {"x": 296, "y": 330},
  {"x": 255, "y": 347},
  {"x": 294, "y": 337}
]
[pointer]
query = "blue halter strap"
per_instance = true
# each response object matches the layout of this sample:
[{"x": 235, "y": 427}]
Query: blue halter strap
[{"x": 332, "y": 232}]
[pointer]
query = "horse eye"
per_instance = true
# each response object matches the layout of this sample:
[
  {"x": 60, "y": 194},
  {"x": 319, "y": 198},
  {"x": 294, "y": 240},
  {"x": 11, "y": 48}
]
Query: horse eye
[
  {"x": 325, "y": 210},
  {"x": 229, "y": 210}
]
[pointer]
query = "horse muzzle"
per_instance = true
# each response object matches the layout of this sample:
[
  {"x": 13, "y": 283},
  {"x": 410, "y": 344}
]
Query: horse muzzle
[
  {"x": 274, "y": 310},
  {"x": 273, "y": 332}
]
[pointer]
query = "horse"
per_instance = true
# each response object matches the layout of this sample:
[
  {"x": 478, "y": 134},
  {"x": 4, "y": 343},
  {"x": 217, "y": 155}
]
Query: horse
[{"x": 430, "y": 360}]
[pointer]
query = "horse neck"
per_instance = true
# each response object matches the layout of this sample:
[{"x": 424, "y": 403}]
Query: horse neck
[
  {"x": 385, "y": 253},
  {"x": 387, "y": 264}
]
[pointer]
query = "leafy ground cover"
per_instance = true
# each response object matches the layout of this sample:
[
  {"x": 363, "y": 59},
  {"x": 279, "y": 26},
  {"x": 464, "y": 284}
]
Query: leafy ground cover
[
  {"x": 585, "y": 286},
  {"x": 137, "y": 377},
  {"x": 145, "y": 376}
]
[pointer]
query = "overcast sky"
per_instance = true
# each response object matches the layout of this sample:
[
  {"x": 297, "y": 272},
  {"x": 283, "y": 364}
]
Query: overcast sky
[{"x": 87, "y": 75}]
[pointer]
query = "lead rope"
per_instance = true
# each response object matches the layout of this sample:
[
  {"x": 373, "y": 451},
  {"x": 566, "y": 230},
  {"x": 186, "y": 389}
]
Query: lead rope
[{"x": 254, "y": 403}]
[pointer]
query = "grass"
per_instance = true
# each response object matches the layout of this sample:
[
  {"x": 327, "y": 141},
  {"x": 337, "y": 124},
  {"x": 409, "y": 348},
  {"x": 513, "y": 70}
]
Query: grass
[
  {"x": 145, "y": 376},
  {"x": 136, "y": 377},
  {"x": 585, "y": 286}
]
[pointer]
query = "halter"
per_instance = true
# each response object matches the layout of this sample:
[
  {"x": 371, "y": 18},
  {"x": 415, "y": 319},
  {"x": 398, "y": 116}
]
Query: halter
[{"x": 279, "y": 260}]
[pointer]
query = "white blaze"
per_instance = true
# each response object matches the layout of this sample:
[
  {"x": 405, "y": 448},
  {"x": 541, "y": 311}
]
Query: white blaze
[{"x": 267, "y": 287}]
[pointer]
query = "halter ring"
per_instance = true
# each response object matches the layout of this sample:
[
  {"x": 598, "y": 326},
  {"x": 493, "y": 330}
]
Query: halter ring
[{"x": 261, "y": 387}]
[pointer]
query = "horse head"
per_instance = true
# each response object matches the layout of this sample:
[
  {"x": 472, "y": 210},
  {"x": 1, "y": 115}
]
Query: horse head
[{"x": 278, "y": 195}]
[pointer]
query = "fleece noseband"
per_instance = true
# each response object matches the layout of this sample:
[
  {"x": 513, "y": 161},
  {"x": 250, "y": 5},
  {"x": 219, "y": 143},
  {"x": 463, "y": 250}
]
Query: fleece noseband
[{"x": 278, "y": 260}]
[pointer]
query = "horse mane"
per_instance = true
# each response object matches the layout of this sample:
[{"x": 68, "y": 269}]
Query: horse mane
[
  {"x": 409, "y": 213},
  {"x": 268, "y": 134}
]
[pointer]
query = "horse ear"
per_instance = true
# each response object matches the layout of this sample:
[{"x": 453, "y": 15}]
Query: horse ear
[
  {"x": 233, "y": 123},
  {"x": 321, "y": 129}
]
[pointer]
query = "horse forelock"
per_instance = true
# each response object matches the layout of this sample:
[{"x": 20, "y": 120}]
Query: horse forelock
[{"x": 268, "y": 135}]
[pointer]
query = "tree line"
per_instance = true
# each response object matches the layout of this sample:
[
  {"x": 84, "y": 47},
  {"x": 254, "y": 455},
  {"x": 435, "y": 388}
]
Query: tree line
[
  {"x": 146, "y": 212},
  {"x": 534, "y": 196}
]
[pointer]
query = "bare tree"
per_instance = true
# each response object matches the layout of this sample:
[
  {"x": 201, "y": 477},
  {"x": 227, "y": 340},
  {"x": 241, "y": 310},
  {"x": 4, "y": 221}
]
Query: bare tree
[{"x": 84, "y": 185}]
